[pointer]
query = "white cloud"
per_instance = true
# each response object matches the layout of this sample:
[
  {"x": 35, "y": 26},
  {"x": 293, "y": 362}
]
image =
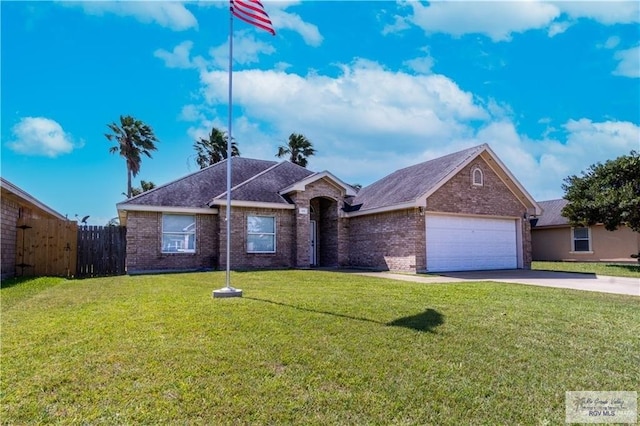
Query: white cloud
[
  {"x": 559, "y": 27},
  {"x": 364, "y": 100},
  {"x": 178, "y": 57},
  {"x": 629, "y": 62},
  {"x": 604, "y": 137},
  {"x": 285, "y": 20},
  {"x": 500, "y": 20},
  {"x": 281, "y": 19},
  {"x": 612, "y": 42},
  {"x": 421, "y": 64},
  {"x": 172, "y": 15},
  {"x": 400, "y": 23},
  {"x": 604, "y": 12},
  {"x": 40, "y": 136},
  {"x": 176, "y": 16},
  {"x": 497, "y": 20},
  {"x": 191, "y": 113},
  {"x": 246, "y": 50},
  {"x": 542, "y": 165}
]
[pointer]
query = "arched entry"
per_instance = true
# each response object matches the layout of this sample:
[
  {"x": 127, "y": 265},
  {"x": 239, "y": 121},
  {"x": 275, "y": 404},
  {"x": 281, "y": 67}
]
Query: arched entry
[{"x": 323, "y": 247}]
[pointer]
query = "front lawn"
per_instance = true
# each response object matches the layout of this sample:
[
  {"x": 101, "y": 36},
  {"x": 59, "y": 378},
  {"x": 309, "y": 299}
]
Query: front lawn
[
  {"x": 598, "y": 268},
  {"x": 307, "y": 347}
]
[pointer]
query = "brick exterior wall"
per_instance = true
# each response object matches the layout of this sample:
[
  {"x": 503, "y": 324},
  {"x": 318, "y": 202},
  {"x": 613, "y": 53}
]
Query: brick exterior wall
[
  {"x": 144, "y": 244},
  {"x": 458, "y": 195},
  {"x": 284, "y": 257},
  {"x": 387, "y": 241},
  {"x": 9, "y": 221}
]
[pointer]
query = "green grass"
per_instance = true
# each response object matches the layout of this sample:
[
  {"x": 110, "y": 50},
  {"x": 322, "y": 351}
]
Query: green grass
[
  {"x": 598, "y": 268},
  {"x": 307, "y": 347}
]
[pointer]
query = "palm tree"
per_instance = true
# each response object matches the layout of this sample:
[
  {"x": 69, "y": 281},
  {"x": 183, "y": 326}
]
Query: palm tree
[
  {"x": 214, "y": 149},
  {"x": 144, "y": 187},
  {"x": 299, "y": 149},
  {"x": 133, "y": 138}
]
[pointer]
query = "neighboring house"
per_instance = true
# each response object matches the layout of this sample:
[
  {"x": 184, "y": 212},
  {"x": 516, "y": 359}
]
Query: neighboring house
[
  {"x": 30, "y": 230},
  {"x": 463, "y": 211},
  {"x": 553, "y": 238}
]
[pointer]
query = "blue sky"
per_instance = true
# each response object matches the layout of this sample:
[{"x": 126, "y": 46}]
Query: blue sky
[{"x": 552, "y": 87}]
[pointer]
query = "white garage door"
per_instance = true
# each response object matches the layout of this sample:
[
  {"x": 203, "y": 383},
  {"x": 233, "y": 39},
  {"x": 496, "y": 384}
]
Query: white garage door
[{"x": 470, "y": 244}]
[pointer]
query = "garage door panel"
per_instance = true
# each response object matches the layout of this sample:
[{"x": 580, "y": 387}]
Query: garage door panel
[{"x": 463, "y": 243}]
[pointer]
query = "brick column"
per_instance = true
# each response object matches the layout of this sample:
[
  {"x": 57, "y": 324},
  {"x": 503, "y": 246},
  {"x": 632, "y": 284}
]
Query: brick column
[
  {"x": 302, "y": 229},
  {"x": 343, "y": 238}
]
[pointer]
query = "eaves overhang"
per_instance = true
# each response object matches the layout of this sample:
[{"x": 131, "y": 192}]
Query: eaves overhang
[
  {"x": 401, "y": 206},
  {"x": 123, "y": 208},
  {"x": 254, "y": 204}
]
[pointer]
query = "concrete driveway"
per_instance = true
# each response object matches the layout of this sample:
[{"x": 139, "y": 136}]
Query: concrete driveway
[{"x": 588, "y": 282}]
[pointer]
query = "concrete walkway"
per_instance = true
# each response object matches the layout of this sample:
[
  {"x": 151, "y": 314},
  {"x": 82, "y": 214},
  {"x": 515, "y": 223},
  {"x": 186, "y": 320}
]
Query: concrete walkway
[{"x": 575, "y": 281}]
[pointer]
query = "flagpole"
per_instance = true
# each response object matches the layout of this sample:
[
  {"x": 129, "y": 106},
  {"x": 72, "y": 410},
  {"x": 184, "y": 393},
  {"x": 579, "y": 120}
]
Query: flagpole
[
  {"x": 253, "y": 12},
  {"x": 229, "y": 291}
]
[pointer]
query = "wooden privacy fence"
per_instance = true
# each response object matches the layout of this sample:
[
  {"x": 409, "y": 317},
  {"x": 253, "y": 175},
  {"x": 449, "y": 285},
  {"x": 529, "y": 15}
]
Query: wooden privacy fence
[
  {"x": 53, "y": 247},
  {"x": 101, "y": 251},
  {"x": 46, "y": 247}
]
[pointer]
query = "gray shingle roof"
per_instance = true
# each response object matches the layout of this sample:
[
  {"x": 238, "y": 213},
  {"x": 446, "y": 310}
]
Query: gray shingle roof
[
  {"x": 199, "y": 188},
  {"x": 265, "y": 186},
  {"x": 552, "y": 213},
  {"x": 408, "y": 184}
]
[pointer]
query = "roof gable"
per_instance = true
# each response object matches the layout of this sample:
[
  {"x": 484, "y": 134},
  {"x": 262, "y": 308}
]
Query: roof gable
[
  {"x": 410, "y": 187},
  {"x": 314, "y": 177},
  {"x": 411, "y": 183}
]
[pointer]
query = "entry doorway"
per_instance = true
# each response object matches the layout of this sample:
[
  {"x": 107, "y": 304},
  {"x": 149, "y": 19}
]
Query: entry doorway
[{"x": 323, "y": 232}]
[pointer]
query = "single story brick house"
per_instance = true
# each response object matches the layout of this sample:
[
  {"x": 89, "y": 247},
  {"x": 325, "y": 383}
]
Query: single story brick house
[
  {"x": 554, "y": 239},
  {"x": 463, "y": 211}
]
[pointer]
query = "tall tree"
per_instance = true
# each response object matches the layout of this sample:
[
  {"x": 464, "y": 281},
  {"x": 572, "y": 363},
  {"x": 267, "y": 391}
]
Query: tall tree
[
  {"x": 299, "y": 149},
  {"x": 213, "y": 149},
  {"x": 133, "y": 138},
  {"x": 606, "y": 193}
]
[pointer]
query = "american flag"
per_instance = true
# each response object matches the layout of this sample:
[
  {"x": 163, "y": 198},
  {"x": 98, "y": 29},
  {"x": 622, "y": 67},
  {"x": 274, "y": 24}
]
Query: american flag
[{"x": 252, "y": 12}]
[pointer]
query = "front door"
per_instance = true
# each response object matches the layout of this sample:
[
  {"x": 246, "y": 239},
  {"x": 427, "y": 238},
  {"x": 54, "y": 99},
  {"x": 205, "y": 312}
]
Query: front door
[{"x": 312, "y": 243}]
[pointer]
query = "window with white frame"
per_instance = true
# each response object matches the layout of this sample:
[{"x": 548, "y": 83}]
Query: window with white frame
[
  {"x": 581, "y": 240},
  {"x": 476, "y": 177},
  {"x": 261, "y": 234},
  {"x": 178, "y": 233}
]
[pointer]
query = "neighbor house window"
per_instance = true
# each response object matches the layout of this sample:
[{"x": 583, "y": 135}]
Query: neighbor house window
[
  {"x": 178, "y": 233},
  {"x": 581, "y": 240},
  {"x": 261, "y": 234},
  {"x": 476, "y": 177}
]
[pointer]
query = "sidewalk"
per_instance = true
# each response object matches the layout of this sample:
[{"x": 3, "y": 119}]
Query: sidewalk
[{"x": 575, "y": 281}]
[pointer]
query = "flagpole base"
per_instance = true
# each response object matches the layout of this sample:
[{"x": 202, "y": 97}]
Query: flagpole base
[{"x": 227, "y": 292}]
